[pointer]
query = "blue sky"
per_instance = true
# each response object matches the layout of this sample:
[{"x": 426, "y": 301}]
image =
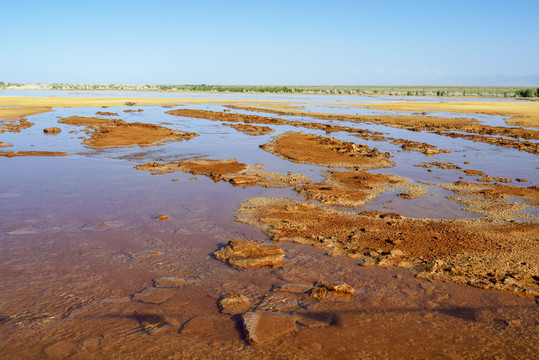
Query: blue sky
[{"x": 267, "y": 42}]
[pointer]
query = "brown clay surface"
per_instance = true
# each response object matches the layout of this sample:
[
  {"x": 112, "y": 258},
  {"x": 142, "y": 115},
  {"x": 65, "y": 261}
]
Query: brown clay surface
[
  {"x": 440, "y": 126},
  {"x": 527, "y": 146},
  {"x": 468, "y": 172},
  {"x": 85, "y": 121},
  {"x": 14, "y": 125},
  {"x": 256, "y": 119},
  {"x": 425, "y": 148},
  {"x": 32, "y": 153},
  {"x": 251, "y": 129},
  {"x": 356, "y": 188},
  {"x": 132, "y": 134},
  {"x": 497, "y": 201},
  {"x": 106, "y": 113},
  {"x": 479, "y": 253},
  {"x": 439, "y": 164},
  {"x": 5, "y": 144},
  {"x": 230, "y": 170},
  {"x": 91, "y": 274},
  {"x": 324, "y": 151}
]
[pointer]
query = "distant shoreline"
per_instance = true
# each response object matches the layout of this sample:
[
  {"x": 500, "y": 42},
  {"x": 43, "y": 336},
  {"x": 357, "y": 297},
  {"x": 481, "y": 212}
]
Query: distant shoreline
[{"x": 441, "y": 91}]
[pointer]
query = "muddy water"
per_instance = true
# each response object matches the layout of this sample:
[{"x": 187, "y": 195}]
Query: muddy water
[{"x": 79, "y": 238}]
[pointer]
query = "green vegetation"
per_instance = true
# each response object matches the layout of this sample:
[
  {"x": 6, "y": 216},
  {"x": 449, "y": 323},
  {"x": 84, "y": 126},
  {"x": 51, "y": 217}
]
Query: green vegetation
[
  {"x": 508, "y": 92},
  {"x": 527, "y": 93}
]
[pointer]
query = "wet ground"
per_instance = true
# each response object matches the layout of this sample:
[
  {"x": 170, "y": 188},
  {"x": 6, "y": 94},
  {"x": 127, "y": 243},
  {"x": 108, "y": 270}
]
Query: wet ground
[{"x": 79, "y": 239}]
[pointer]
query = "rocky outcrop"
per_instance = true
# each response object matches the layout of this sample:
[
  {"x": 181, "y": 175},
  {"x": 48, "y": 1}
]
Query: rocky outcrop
[{"x": 246, "y": 254}]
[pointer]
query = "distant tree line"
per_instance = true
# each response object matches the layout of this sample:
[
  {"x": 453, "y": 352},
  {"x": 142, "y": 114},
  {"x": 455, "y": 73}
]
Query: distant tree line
[{"x": 322, "y": 90}]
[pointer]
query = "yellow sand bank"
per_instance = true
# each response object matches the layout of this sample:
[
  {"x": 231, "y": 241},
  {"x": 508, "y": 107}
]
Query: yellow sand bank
[
  {"x": 523, "y": 113},
  {"x": 12, "y": 113},
  {"x": 69, "y": 102}
]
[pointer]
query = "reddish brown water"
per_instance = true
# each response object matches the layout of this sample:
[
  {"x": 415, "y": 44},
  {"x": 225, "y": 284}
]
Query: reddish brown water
[{"x": 68, "y": 279}]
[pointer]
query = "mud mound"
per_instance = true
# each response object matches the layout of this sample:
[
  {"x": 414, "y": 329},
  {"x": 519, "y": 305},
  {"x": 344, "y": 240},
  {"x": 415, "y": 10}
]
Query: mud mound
[
  {"x": 132, "y": 134},
  {"x": 480, "y": 253},
  {"x": 251, "y": 129},
  {"x": 496, "y": 201},
  {"x": 469, "y": 129},
  {"x": 85, "y": 121},
  {"x": 356, "y": 188},
  {"x": 324, "y": 151},
  {"x": 14, "y": 125},
  {"x": 32, "y": 153},
  {"x": 230, "y": 170}
]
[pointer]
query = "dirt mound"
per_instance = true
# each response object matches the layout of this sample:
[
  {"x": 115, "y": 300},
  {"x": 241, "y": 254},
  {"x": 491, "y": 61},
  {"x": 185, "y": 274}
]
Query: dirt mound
[
  {"x": 85, "y": 121},
  {"x": 32, "y": 153},
  {"x": 132, "y": 134},
  {"x": 251, "y": 129},
  {"x": 52, "y": 130},
  {"x": 324, "y": 151},
  {"x": 230, "y": 170},
  {"x": 469, "y": 129},
  {"x": 14, "y": 125},
  {"x": 479, "y": 252},
  {"x": 246, "y": 254},
  {"x": 356, "y": 188},
  {"x": 496, "y": 201}
]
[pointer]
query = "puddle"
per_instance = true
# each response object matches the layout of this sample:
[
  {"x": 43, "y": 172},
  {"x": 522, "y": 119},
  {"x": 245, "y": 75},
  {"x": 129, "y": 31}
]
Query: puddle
[{"x": 79, "y": 238}]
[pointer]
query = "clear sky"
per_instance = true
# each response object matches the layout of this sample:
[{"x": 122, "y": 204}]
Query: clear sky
[{"x": 329, "y": 42}]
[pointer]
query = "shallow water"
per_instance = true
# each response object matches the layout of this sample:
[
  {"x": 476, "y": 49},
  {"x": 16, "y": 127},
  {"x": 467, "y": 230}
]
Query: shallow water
[{"x": 79, "y": 237}]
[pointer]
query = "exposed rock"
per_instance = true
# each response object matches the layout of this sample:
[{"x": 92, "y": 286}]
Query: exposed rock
[
  {"x": 234, "y": 303},
  {"x": 264, "y": 326},
  {"x": 52, "y": 130},
  {"x": 246, "y": 254},
  {"x": 162, "y": 217},
  {"x": 168, "y": 282},
  {"x": 319, "y": 293},
  {"x": 4, "y": 144},
  {"x": 153, "y": 295},
  {"x": 321, "y": 289},
  {"x": 337, "y": 289}
]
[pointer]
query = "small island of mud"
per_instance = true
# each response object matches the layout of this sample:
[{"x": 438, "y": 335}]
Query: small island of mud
[
  {"x": 474, "y": 252},
  {"x": 133, "y": 134},
  {"x": 231, "y": 171},
  {"x": 324, "y": 151},
  {"x": 357, "y": 188}
]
